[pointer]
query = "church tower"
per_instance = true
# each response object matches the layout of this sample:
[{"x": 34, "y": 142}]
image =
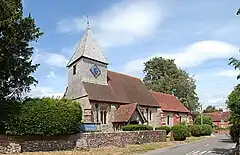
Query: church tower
[{"x": 87, "y": 64}]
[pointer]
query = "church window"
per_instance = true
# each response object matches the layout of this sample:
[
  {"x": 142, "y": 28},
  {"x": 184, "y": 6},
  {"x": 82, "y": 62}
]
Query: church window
[
  {"x": 168, "y": 120},
  {"x": 74, "y": 69},
  {"x": 103, "y": 115},
  {"x": 150, "y": 115}
]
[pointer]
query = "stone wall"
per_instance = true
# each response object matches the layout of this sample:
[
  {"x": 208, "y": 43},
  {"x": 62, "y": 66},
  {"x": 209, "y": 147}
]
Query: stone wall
[{"x": 79, "y": 141}]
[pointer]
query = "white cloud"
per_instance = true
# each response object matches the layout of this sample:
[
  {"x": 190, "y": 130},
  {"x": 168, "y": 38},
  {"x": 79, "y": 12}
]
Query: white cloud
[
  {"x": 190, "y": 56},
  {"x": 121, "y": 24},
  {"x": 44, "y": 92},
  {"x": 51, "y": 75},
  {"x": 51, "y": 59},
  {"x": 229, "y": 73}
]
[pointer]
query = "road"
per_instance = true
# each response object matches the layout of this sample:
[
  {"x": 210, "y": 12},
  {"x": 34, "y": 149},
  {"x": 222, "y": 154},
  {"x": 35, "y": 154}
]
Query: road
[{"x": 221, "y": 144}]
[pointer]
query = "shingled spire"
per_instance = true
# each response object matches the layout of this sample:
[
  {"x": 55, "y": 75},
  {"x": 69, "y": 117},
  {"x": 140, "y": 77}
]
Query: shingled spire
[{"x": 88, "y": 48}]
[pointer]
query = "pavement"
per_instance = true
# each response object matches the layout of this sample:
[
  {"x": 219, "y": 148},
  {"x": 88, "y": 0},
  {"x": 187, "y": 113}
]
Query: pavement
[{"x": 221, "y": 144}]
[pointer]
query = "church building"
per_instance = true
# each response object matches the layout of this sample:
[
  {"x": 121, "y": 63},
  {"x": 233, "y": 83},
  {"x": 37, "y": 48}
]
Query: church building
[{"x": 109, "y": 98}]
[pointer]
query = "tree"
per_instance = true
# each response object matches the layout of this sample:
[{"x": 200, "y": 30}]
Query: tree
[
  {"x": 163, "y": 75},
  {"x": 16, "y": 34},
  {"x": 233, "y": 104},
  {"x": 205, "y": 120},
  {"x": 210, "y": 109},
  {"x": 238, "y": 12}
]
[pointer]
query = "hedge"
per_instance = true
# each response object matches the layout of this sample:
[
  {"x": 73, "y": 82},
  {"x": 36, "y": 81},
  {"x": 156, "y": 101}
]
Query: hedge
[
  {"x": 46, "y": 116},
  {"x": 205, "y": 119},
  {"x": 196, "y": 130},
  {"x": 201, "y": 130},
  {"x": 206, "y": 130},
  {"x": 180, "y": 132},
  {"x": 167, "y": 128},
  {"x": 136, "y": 127}
]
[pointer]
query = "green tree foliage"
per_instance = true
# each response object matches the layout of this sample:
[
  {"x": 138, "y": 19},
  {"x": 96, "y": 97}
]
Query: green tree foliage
[
  {"x": 206, "y": 120},
  {"x": 234, "y": 132},
  {"x": 180, "y": 132},
  {"x": 238, "y": 12},
  {"x": 167, "y": 128},
  {"x": 136, "y": 127},
  {"x": 210, "y": 109},
  {"x": 206, "y": 130},
  {"x": 163, "y": 75},
  {"x": 196, "y": 130},
  {"x": 45, "y": 116},
  {"x": 16, "y": 34},
  {"x": 233, "y": 104}
]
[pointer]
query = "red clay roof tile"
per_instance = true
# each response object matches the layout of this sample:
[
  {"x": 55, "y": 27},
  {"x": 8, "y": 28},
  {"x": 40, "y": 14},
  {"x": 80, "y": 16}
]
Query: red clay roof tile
[
  {"x": 122, "y": 89},
  {"x": 169, "y": 102}
]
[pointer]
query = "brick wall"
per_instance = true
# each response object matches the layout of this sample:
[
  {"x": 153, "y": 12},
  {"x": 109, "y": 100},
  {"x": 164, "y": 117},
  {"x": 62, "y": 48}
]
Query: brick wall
[{"x": 78, "y": 141}]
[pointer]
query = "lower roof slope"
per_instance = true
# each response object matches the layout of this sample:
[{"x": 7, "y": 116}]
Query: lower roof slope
[
  {"x": 169, "y": 102},
  {"x": 122, "y": 89}
]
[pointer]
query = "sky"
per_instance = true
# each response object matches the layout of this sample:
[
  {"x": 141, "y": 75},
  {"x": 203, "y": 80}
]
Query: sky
[{"x": 199, "y": 35}]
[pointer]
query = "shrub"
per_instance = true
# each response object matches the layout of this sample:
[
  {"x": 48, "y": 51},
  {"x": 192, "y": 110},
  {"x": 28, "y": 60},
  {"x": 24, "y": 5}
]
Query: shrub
[
  {"x": 206, "y": 120},
  {"x": 180, "y": 132},
  {"x": 196, "y": 130},
  {"x": 7, "y": 108},
  {"x": 167, "y": 128},
  {"x": 46, "y": 116},
  {"x": 206, "y": 130},
  {"x": 220, "y": 128},
  {"x": 136, "y": 127}
]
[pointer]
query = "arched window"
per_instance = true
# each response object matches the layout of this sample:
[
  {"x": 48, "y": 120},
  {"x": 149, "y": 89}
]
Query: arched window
[
  {"x": 150, "y": 115},
  {"x": 105, "y": 117},
  {"x": 168, "y": 120},
  {"x": 101, "y": 116}
]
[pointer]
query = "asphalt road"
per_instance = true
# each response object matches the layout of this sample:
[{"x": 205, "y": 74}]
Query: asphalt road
[{"x": 221, "y": 144}]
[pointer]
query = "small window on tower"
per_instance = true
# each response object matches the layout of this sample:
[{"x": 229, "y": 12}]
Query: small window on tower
[{"x": 74, "y": 69}]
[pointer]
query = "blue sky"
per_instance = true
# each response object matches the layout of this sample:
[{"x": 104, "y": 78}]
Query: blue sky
[{"x": 199, "y": 35}]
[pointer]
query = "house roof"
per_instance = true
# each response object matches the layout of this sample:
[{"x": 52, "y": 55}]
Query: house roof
[
  {"x": 122, "y": 89},
  {"x": 169, "y": 102},
  {"x": 125, "y": 112},
  {"x": 218, "y": 116},
  {"x": 88, "y": 47}
]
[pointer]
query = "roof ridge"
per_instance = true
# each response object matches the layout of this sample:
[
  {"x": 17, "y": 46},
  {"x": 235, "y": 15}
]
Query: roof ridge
[
  {"x": 125, "y": 75},
  {"x": 162, "y": 93}
]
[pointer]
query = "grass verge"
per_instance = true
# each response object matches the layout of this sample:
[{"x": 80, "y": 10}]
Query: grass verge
[{"x": 129, "y": 150}]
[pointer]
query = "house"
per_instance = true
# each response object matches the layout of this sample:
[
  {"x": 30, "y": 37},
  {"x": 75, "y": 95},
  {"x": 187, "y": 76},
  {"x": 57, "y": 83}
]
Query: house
[
  {"x": 173, "y": 110},
  {"x": 109, "y": 98},
  {"x": 220, "y": 119}
]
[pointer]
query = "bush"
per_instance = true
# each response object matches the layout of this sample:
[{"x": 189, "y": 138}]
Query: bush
[
  {"x": 136, "y": 127},
  {"x": 45, "y": 116},
  {"x": 220, "y": 128},
  {"x": 206, "y": 130},
  {"x": 167, "y": 128},
  {"x": 196, "y": 130},
  {"x": 206, "y": 120},
  {"x": 7, "y": 108},
  {"x": 180, "y": 132}
]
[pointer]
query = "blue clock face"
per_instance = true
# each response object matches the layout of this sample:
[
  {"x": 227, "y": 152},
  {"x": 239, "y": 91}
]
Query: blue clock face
[{"x": 95, "y": 71}]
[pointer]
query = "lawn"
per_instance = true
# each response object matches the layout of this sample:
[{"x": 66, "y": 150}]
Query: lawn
[{"x": 129, "y": 150}]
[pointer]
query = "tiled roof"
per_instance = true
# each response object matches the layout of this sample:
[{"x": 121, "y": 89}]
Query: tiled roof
[
  {"x": 169, "y": 102},
  {"x": 121, "y": 88},
  {"x": 125, "y": 112},
  {"x": 218, "y": 116}
]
